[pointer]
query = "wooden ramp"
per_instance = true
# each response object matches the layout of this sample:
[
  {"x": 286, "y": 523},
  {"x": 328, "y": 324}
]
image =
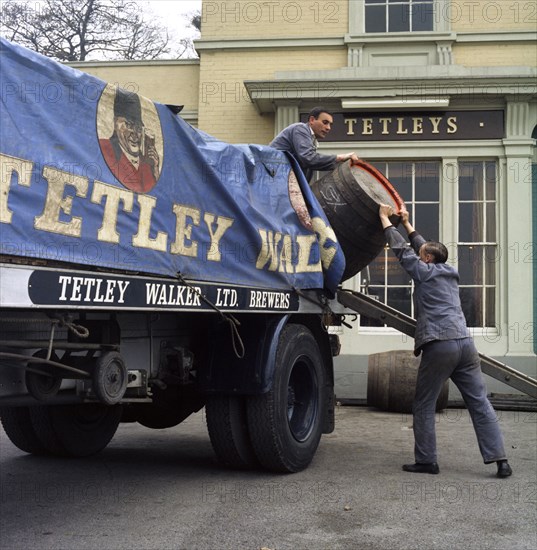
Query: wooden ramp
[{"x": 365, "y": 305}]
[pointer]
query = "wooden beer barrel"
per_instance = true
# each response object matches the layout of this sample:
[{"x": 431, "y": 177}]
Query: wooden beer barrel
[
  {"x": 350, "y": 197},
  {"x": 391, "y": 382}
]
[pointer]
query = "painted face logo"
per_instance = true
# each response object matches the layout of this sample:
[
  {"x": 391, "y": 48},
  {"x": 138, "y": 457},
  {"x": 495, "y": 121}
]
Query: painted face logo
[{"x": 130, "y": 137}]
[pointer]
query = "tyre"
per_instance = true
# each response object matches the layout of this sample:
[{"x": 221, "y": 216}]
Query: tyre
[
  {"x": 228, "y": 430},
  {"x": 18, "y": 426},
  {"x": 286, "y": 423},
  {"x": 40, "y": 387},
  {"x": 75, "y": 430}
]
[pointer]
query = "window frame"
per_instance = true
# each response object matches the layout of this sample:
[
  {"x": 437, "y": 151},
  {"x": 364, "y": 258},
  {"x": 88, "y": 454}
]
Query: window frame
[
  {"x": 484, "y": 243},
  {"x": 357, "y": 20},
  {"x": 452, "y": 236},
  {"x": 388, "y": 256},
  {"x": 389, "y": 9}
]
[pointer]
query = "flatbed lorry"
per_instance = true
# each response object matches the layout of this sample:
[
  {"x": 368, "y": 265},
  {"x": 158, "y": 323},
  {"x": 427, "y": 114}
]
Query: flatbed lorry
[{"x": 148, "y": 270}]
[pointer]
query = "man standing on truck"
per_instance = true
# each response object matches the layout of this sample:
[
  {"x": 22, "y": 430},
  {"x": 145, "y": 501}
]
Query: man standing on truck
[
  {"x": 300, "y": 139},
  {"x": 446, "y": 347}
]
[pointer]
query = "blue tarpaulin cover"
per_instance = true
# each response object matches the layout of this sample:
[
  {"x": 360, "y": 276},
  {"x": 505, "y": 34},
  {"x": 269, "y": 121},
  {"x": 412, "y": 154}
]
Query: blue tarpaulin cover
[{"x": 95, "y": 175}]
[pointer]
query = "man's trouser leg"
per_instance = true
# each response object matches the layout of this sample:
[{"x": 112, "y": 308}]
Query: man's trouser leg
[
  {"x": 438, "y": 360},
  {"x": 469, "y": 379}
]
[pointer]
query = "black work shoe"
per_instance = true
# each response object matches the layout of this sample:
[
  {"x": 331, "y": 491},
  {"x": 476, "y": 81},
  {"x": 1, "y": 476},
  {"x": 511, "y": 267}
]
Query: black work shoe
[
  {"x": 422, "y": 468},
  {"x": 504, "y": 470}
]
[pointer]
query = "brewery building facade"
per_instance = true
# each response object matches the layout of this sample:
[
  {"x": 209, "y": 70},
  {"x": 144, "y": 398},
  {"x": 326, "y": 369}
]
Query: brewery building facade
[{"x": 440, "y": 95}]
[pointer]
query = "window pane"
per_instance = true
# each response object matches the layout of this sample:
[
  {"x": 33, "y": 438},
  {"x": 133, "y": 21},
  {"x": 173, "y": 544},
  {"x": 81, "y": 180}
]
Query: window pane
[
  {"x": 471, "y": 265},
  {"x": 471, "y": 305},
  {"x": 469, "y": 180},
  {"x": 422, "y": 17},
  {"x": 400, "y": 176},
  {"x": 400, "y": 299},
  {"x": 491, "y": 260},
  {"x": 491, "y": 222},
  {"x": 426, "y": 220},
  {"x": 375, "y": 19},
  {"x": 403, "y": 186},
  {"x": 470, "y": 222},
  {"x": 427, "y": 181},
  {"x": 490, "y": 180},
  {"x": 490, "y": 307},
  {"x": 399, "y": 18}
]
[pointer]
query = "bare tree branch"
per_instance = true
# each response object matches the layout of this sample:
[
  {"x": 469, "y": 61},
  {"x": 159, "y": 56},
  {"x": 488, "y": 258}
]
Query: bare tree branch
[{"x": 75, "y": 30}]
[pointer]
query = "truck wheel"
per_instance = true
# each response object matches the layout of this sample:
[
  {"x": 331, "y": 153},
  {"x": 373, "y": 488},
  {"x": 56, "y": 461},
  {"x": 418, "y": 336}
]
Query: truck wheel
[
  {"x": 75, "y": 430},
  {"x": 19, "y": 428},
  {"x": 40, "y": 387},
  {"x": 285, "y": 424},
  {"x": 228, "y": 431}
]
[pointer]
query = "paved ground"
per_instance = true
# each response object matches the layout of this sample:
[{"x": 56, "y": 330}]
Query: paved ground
[{"x": 163, "y": 489}]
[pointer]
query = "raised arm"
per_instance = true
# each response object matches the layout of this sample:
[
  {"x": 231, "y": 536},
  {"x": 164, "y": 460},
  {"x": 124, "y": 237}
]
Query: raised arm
[
  {"x": 385, "y": 211},
  {"x": 406, "y": 254},
  {"x": 405, "y": 222}
]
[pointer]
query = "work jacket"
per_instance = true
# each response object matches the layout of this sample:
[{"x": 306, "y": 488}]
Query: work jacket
[
  {"x": 437, "y": 303},
  {"x": 299, "y": 140}
]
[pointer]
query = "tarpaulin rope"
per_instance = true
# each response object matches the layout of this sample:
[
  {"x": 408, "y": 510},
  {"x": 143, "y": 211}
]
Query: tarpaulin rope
[{"x": 233, "y": 322}]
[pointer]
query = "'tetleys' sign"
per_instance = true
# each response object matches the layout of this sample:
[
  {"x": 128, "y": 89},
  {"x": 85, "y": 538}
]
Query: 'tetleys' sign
[{"x": 394, "y": 126}]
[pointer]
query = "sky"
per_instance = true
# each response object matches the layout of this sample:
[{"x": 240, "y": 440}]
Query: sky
[{"x": 174, "y": 14}]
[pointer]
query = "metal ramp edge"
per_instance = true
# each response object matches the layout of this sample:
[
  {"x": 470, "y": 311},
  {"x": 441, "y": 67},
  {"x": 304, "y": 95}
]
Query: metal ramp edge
[{"x": 365, "y": 305}]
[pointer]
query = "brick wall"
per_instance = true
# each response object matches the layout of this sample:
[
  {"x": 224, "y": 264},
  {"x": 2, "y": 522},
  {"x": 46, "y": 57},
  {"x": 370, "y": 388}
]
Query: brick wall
[
  {"x": 233, "y": 19},
  {"x": 224, "y": 106},
  {"x": 175, "y": 83},
  {"x": 494, "y": 55},
  {"x": 491, "y": 15}
]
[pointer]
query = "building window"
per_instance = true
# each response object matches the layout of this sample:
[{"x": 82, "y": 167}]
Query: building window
[
  {"x": 476, "y": 251},
  {"x": 477, "y": 246},
  {"x": 399, "y": 15},
  {"x": 418, "y": 183}
]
